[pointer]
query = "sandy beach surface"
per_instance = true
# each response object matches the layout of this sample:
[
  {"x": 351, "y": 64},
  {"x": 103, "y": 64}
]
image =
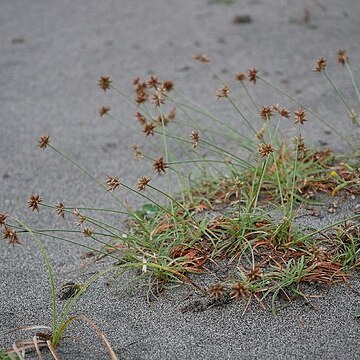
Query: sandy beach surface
[{"x": 51, "y": 56}]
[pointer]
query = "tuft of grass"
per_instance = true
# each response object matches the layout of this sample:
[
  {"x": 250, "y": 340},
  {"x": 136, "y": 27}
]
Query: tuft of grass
[
  {"x": 54, "y": 335},
  {"x": 236, "y": 215}
]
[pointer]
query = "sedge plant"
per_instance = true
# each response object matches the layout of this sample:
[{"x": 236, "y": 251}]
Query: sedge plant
[{"x": 241, "y": 210}]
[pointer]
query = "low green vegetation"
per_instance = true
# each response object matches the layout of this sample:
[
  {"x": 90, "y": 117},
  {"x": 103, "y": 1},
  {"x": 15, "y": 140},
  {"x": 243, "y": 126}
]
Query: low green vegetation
[{"x": 236, "y": 216}]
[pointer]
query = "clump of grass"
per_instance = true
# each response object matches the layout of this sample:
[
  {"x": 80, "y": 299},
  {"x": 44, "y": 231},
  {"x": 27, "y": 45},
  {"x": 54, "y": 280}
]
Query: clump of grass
[
  {"x": 50, "y": 337},
  {"x": 241, "y": 211}
]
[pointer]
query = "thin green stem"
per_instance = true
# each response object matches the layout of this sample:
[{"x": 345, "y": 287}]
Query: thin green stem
[
  {"x": 276, "y": 168},
  {"x": 98, "y": 223},
  {"x": 250, "y": 97},
  {"x": 245, "y": 142},
  {"x": 164, "y": 135},
  {"x": 121, "y": 122},
  {"x": 86, "y": 172},
  {"x": 307, "y": 236},
  {"x": 222, "y": 151},
  {"x": 127, "y": 98},
  {"x": 294, "y": 176},
  {"x": 218, "y": 149},
  {"x": 147, "y": 198},
  {"x": 353, "y": 81},
  {"x": 170, "y": 198},
  {"x": 337, "y": 91},
  {"x": 241, "y": 114},
  {"x": 74, "y": 299},
  {"x": 260, "y": 183},
  {"x": 50, "y": 272},
  {"x": 40, "y": 231},
  {"x": 78, "y": 244},
  {"x": 209, "y": 161},
  {"x": 103, "y": 186}
]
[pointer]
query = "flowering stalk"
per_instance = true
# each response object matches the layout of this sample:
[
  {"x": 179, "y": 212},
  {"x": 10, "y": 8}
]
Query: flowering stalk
[
  {"x": 250, "y": 96},
  {"x": 216, "y": 149},
  {"x": 50, "y": 271},
  {"x": 337, "y": 91},
  {"x": 285, "y": 93},
  {"x": 262, "y": 174},
  {"x": 276, "y": 168},
  {"x": 86, "y": 172},
  {"x": 309, "y": 235},
  {"x": 294, "y": 176},
  {"x": 353, "y": 81},
  {"x": 241, "y": 114},
  {"x": 245, "y": 141}
]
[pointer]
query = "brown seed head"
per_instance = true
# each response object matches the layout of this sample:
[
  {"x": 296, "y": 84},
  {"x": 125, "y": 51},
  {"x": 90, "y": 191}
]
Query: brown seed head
[
  {"x": 223, "y": 91},
  {"x": 34, "y": 201},
  {"x": 148, "y": 128},
  {"x": 320, "y": 65},
  {"x": 140, "y": 118},
  {"x": 112, "y": 182},
  {"x": 81, "y": 218},
  {"x": 283, "y": 111},
  {"x": 261, "y": 132},
  {"x": 237, "y": 184},
  {"x": 141, "y": 96},
  {"x": 276, "y": 107},
  {"x": 299, "y": 140},
  {"x": 137, "y": 151},
  {"x": 3, "y": 218},
  {"x": 252, "y": 74},
  {"x": 160, "y": 120},
  {"x": 300, "y": 144},
  {"x": 142, "y": 182},
  {"x": 240, "y": 76},
  {"x": 254, "y": 274},
  {"x": 104, "y": 83},
  {"x": 104, "y": 110},
  {"x": 195, "y": 138},
  {"x": 11, "y": 236},
  {"x": 60, "y": 209},
  {"x": 353, "y": 116},
  {"x": 160, "y": 165},
  {"x": 265, "y": 149},
  {"x": 138, "y": 155},
  {"x": 342, "y": 57},
  {"x": 141, "y": 87},
  {"x": 87, "y": 232},
  {"x": 168, "y": 85},
  {"x": 216, "y": 290},
  {"x": 239, "y": 290},
  {"x": 201, "y": 58},
  {"x": 266, "y": 113},
  {"x": 172, "y": 114},
  {"x": 153, "y": 82},
  {"x": 158, "y": 98},
  {"x": 44, "y": 141},
  {"x": 300, "y": 116}
]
